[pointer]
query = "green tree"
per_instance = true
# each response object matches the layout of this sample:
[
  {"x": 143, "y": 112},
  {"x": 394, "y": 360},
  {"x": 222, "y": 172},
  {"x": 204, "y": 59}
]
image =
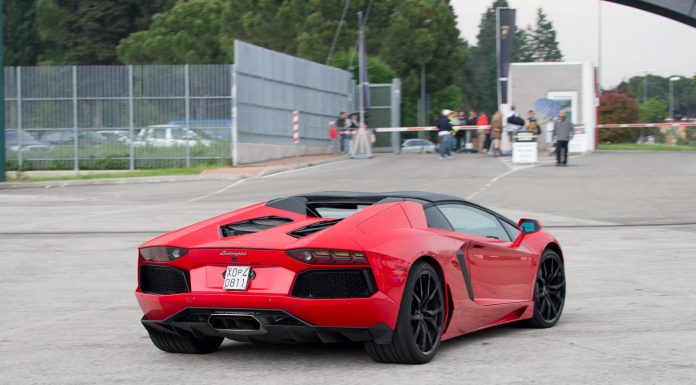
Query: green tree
[
  {"x": 658, "y": 86},
  {"x": 53, "y": 31},
  {"x": 22, "y": 43},
  {"x": 543, "y": 43},
  {"x": 377, "y": 70},
  {"x": 93, "y": 28},
  {"x": 428, "y": 30},
  {"x": 522, "y": 50},
  {"x": 484, "y": 62},
  {"x": 189, "y": 33},
  {"x": 653, "y": 111}
]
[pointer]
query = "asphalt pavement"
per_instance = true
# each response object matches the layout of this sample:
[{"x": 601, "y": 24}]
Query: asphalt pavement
[{"x": 626, "y": 221}]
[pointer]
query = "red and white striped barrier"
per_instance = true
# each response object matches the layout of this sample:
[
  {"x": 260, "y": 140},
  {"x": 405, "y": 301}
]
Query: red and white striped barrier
[
  {"x": 409, "y": 129},
  {"x": 641, "y": 125},
  {"x": 296, "y": 127}
]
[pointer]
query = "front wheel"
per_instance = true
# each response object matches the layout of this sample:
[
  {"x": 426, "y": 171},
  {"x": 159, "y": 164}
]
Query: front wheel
[
  {"x": 419, "y": 325},
  {"x": 549, "y": 291}
]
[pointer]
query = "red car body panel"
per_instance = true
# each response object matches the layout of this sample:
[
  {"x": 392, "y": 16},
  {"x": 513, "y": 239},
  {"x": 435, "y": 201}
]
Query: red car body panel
[{"x": 393, "y": 236}]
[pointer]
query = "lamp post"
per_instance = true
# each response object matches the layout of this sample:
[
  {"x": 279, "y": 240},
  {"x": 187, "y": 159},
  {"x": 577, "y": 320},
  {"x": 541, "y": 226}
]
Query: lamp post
[
  {"x": 2, "y": 97},
  {"x": 671, "y": 96},
  {"x": 645, "y": 74},
  {"x": 423, "y": 105}
]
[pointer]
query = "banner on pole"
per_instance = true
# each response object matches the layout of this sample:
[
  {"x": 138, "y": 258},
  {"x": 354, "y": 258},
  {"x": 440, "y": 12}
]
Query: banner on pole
[
  {"x": 296, "y": 127},
  {"x": 505, "y": 20}
]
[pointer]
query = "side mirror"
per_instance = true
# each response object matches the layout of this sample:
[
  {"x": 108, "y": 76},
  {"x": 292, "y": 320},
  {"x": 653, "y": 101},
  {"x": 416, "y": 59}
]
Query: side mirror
[{"x": 528, "y": 226}]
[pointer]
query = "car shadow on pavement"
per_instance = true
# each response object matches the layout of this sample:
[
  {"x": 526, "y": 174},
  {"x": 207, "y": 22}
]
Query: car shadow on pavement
[
  {"x": 337, "y": 352},
  {"x": 294, "y": 352}
]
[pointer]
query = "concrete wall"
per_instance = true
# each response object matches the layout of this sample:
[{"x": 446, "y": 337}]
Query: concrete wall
[
  {"x": 269, "y": 86},
  {"x": 258, "y": 152}
]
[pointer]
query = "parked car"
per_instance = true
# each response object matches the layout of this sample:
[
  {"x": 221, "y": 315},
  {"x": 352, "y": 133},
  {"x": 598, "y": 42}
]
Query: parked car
[
  {"x": 114, "y": 136},
  {"x": 29, "y": 143},
  {"x": 213, "y": 129},
  {"x": 169, "y": 135},
  {"x": 417, "y": 146},
  {"x": 64, "y": 137}
]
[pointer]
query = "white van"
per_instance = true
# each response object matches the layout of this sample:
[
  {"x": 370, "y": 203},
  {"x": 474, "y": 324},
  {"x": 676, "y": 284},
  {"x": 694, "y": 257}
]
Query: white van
[{"x": 168, "y": 135}]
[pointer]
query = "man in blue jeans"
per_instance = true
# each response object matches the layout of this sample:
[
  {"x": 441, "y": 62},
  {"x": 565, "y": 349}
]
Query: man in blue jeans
[{"x": 444, "y": 127}]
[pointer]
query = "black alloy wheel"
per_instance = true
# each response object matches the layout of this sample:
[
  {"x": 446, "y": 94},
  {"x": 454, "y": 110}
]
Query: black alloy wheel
[
  {"x": 420, "y": 322},
  {"x": 427, "y": 312},
  {"x": 549, "y": 291}
]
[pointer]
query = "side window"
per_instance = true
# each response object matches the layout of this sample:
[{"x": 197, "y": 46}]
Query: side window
[
  {"x": 470, "y": 220},
  {"x": 436, "y": 219},
  {"x": 159, "y": 133},
  {"x": 512, "y": 230}
]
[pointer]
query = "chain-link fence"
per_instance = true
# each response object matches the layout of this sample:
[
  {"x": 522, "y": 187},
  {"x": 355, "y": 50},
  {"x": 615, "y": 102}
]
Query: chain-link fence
[{"x": 117, "y": 117}]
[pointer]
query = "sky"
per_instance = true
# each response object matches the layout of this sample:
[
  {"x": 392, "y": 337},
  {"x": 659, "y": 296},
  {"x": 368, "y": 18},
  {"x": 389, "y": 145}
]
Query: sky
[{"x": 632, "y": 40}]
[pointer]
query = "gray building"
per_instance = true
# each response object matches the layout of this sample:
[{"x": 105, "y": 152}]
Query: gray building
[{"x": 571, "y": 84}]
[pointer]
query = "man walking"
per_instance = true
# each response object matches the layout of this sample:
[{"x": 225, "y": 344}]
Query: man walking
[
  {"x": 341, "y": 127},
  {"x": 513, "y": 123},
  {"x": 444, "y": 127},
  {"x": 563, "y": 132}
]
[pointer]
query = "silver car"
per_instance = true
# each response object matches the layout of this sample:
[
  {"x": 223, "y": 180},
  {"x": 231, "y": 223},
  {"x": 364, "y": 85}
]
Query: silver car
[{"x": 417, "y": 146}]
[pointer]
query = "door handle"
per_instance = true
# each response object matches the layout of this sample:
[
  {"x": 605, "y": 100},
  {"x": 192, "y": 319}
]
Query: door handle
[{"x": 477, "y": 246}]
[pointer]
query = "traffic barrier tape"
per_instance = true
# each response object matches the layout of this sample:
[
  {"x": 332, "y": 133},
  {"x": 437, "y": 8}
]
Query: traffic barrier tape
[{"x": 408, "y": 129}]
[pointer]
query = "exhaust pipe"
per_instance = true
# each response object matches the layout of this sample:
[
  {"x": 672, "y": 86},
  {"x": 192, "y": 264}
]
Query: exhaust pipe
[{"x": 235, "y": 324}]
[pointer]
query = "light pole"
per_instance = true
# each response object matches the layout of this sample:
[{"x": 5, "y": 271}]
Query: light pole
[
  {"x": 671, "y": 96},
  {"x": 423, "y": 105},
  {"x": 645, "y": 74},
  {"x": 2, "y": 97}
]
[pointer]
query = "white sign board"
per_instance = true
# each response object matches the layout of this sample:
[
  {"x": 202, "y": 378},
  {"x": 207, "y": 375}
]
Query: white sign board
[{"x": 524, "y": 152}]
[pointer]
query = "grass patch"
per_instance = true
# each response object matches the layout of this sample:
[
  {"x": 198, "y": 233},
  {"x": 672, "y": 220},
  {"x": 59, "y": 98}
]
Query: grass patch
[
  {"x": 127, "y": 174},
  {"x": 645, "y": 147}
]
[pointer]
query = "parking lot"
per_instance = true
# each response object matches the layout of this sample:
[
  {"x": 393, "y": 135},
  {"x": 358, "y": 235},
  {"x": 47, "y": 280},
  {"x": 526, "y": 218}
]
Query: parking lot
[{"x": 626, "y": 221}]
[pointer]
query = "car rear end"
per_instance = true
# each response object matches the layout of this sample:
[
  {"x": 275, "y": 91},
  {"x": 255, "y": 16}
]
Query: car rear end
[{"x": 283, "y": 294}]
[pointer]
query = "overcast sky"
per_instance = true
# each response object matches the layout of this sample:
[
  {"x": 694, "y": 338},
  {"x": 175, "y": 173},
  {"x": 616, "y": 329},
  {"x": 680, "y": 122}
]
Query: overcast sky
[{"x": 632, "y": 40}]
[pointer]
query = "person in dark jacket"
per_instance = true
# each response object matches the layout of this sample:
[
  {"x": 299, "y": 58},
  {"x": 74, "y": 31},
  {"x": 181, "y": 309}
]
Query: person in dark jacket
[
  {"x": 563, "y": 131},
  {"x": 444, "y": 127},
  {"x": 342, "y": 128}
]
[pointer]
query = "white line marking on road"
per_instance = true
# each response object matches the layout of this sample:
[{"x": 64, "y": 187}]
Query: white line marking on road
[
  {"x": 514, "y": 168},
  {"x": 222, "y": 190}
]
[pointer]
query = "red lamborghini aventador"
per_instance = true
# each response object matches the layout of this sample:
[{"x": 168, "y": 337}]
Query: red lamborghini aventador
[{"x": 399, "y": 271}]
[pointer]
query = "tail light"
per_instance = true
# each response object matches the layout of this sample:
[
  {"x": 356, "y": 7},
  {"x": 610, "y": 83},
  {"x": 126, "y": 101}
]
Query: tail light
[
  {"x": 328, "y": 257},
  {"x": 162, "y": 253}
]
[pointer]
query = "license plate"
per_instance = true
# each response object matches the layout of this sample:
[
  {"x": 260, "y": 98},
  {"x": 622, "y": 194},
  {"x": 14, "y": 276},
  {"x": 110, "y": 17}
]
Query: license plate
[{"x": 236, "y": 278}]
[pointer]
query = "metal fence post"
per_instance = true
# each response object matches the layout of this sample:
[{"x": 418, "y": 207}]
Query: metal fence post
[
  {"x": 76, "y": 155},
  {"x": 131, "y": 128},
  {"x": 396, "y": 113},
  {"x": 235, "y": 126},
  {"x": 187, "y": 107},
  {"x": 20, "y": 123}
]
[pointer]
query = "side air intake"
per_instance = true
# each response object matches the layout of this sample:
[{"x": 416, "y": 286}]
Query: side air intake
[{"x": 253, "y": 225}]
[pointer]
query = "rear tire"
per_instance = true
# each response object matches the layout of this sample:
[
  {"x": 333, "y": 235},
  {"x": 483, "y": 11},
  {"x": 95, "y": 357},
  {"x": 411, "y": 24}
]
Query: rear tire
[
  {"x": 173, "y": 343},
  {"x": 549, "y": 291},
  {"x": 419, "y": 324}
]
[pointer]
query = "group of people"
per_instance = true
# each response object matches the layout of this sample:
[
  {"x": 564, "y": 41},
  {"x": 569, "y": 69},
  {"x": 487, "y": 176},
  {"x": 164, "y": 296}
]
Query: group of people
[
  {"x": 341, "y": 131},
  {"x": 450, "y": 139}
]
